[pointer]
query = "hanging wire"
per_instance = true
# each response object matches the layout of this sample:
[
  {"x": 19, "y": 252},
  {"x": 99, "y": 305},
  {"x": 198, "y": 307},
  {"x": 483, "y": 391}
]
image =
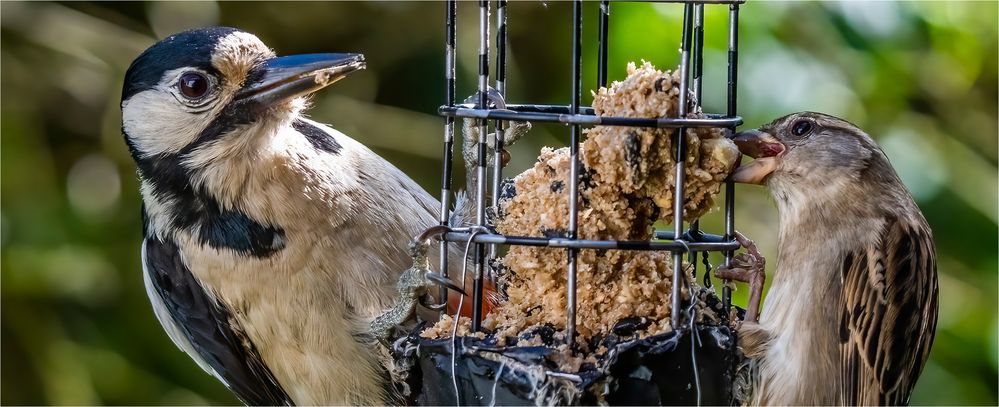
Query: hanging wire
[
  {"x": 695, "y": 338},
  {"x": 457, "y": 316},
  {"x": 707, "y": 270},
  {"x": 695, "y": 342},
  {"x": 496, "y": 379}
]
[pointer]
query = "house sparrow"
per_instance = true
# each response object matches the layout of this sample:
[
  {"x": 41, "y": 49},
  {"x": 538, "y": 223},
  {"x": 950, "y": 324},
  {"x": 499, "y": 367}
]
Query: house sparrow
[{"x": 851, "y": 313}]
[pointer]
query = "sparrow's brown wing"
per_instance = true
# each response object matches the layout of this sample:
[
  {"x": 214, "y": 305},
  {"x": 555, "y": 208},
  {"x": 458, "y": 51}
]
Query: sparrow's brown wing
[{"x": 889, "y": 314}]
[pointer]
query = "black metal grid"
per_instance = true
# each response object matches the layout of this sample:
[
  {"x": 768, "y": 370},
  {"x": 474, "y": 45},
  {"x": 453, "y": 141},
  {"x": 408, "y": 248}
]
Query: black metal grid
[{"x": 677, "y": 241}]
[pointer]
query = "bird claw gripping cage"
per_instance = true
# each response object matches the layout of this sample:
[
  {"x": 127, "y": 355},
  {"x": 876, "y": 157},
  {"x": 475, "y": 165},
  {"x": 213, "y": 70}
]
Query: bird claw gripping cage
[{"x": 693, "y": 363}]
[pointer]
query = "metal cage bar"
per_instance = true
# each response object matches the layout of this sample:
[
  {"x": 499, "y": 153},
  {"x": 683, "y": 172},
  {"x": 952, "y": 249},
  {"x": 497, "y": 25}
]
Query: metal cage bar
[
  {"x": 446, "y": 176},
  {"x": 697, "y": 73},
  {"x": 500, "y": 125},
  {"x": 698, "y": 66},
  {"x": 678, "y": 245},
  {"x": 602, "y": 29},
  {"x": 733, "y": 74},
  {"x": 577, "y": 65},
  {"x": 680, "y": 146},
  {"x": 585, "y": 117},
  {"x": 480, "y": 198}
]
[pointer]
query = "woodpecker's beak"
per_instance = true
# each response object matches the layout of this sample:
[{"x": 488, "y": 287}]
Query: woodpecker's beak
[
  {"x": 284, "y": 78},
  {"x": 766, "y": 151}
]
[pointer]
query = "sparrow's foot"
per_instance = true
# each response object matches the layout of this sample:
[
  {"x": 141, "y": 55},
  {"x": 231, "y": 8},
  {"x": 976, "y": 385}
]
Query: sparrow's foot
[{"x": 748, "y": 267}]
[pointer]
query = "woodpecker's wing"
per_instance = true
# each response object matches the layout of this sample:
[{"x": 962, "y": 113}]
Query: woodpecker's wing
[
  {"x": 890, "y": 314},
  {"x": 204, "y": 328}
]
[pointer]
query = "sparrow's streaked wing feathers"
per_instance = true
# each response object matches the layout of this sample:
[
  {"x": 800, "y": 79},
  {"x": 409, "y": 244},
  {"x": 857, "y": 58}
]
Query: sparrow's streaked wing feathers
[
  {"x": 199, "y": 322},
  {"x": 889, "y": 317}
]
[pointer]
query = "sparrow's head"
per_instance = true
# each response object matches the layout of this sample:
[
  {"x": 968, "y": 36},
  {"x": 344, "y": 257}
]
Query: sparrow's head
[
  {"x": 804, "y": 150},
  {"x": 203, "y": 85}
]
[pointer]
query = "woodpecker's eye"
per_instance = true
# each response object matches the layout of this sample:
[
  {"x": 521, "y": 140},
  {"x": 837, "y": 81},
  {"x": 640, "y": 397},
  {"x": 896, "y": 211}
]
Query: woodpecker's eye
[
  {"x": 193, "y": 85},
  {"x": 801, "y": 127}
]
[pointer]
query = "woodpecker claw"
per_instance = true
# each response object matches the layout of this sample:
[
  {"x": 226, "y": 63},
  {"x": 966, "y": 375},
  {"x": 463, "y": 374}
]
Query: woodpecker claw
[
  {"x": 430, "y": 233},
  {"x": 444, "y": 281},
  {"x": 427, "y": 301}
]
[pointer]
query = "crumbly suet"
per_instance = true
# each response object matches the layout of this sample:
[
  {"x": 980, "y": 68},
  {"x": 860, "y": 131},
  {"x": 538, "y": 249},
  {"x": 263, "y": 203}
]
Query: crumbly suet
[{"x": 627, "y": 185}]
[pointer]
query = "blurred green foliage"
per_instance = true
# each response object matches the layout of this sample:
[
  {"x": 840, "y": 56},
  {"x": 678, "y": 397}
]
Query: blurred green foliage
[{"x": 921, "y": 77}]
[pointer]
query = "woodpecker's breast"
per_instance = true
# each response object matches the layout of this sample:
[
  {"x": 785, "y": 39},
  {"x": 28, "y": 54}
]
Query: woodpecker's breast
[{"x": 305, "y": 248}]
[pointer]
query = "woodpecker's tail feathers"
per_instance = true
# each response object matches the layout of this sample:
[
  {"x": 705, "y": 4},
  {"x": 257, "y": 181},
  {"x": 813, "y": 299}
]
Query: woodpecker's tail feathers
[
  {"x": 489, "y": 299},
  {"x": 463, "y": 213}
]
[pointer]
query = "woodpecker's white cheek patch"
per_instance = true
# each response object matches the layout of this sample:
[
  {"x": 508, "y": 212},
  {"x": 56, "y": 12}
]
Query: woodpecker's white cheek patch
[
  {"x": 157, "y": 123},
  {"x": 160, "y": 210}
]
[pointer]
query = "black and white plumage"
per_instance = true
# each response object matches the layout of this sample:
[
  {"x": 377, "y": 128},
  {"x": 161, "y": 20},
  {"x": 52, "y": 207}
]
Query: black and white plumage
[
  {"x": 851, "y": 313},
  {"x": 201, "y": 326},
  {"x": 271, "y": 240}
]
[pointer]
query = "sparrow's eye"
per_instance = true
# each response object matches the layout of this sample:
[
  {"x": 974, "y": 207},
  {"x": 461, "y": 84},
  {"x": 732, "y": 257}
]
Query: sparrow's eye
[
  {"x": 193, "y": 85},
  {"x": 801, "y": 127}
]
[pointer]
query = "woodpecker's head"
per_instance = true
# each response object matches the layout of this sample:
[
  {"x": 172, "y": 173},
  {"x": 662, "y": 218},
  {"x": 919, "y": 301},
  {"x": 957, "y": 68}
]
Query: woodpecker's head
[
  {"x": 203, "y": 85},
  {"x": 198, "y": 107}
]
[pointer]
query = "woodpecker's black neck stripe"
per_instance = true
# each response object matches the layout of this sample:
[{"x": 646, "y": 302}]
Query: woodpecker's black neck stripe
[
  {"x": 236, "y": 231},
  {"x": 209, "y": 326},
  {"x": 319, "y": 139},
  {"x": 193, "y": 209}
]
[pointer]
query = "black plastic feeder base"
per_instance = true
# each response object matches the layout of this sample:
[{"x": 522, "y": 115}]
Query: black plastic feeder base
[{"x": 658, "y": 370}]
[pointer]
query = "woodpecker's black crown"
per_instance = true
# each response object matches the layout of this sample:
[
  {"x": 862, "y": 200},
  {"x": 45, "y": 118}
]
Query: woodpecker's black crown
[{"x": 187, "y": 49}]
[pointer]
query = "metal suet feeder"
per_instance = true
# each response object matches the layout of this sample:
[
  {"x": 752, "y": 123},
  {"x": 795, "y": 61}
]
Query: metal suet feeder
[{"x": 693, "y": 363}]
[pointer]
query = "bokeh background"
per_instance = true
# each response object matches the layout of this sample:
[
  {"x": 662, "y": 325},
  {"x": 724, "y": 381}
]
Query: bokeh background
[{"x": 76, "y": 327}]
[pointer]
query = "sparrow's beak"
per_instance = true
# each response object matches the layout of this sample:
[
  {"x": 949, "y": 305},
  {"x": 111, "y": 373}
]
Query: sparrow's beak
[
  {"x": 284, "y": 78},
  {"x": 766, "y": 151}
]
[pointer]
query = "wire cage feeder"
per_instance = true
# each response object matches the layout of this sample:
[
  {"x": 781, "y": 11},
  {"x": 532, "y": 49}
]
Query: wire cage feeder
[{"x": 652, "y": 371}]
